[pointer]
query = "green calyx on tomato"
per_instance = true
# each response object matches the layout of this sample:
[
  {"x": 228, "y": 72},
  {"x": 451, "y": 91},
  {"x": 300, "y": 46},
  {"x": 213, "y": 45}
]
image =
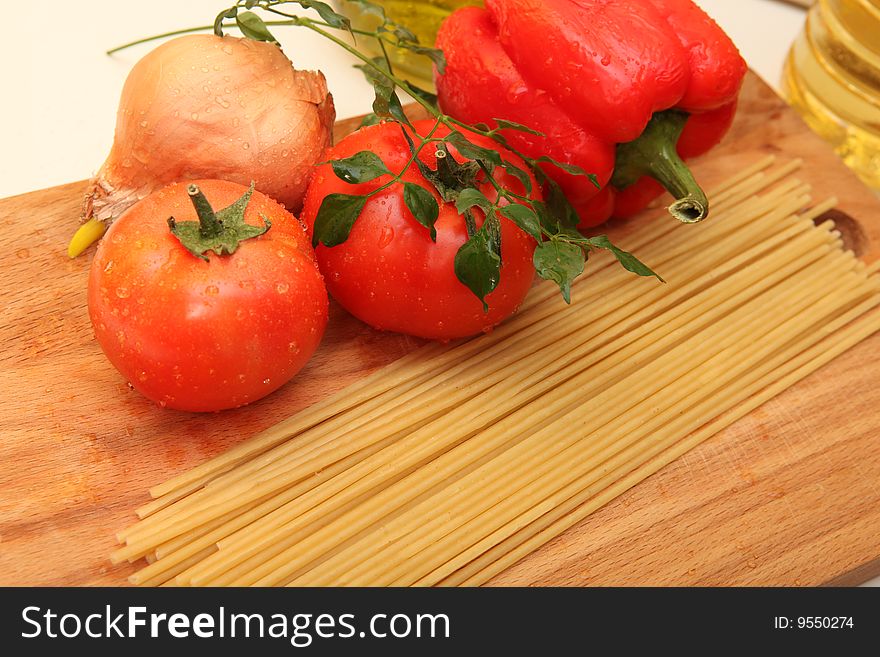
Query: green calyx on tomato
[{"x": 221, "y": 231}]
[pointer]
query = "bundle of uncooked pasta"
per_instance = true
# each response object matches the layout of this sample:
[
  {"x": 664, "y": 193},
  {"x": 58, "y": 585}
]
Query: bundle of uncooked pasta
[{"x": 457, "y": 460}]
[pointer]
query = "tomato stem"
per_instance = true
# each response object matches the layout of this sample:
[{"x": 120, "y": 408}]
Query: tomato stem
[
  {"x": 208, "y": 224},
  {"x": 221, "y": 231}
]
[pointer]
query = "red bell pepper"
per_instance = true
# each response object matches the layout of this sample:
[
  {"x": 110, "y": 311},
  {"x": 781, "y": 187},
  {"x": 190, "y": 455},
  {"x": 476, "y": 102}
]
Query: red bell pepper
[{"x": 623, "y": 89}]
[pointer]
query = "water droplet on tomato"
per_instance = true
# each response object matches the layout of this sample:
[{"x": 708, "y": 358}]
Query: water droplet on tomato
[
  {"x": 265, "y": 382},
  {"x": 142, "y": 376},
  {"x": 23, "y": 253},
  {"x": 194, "y": 116},
  {"x": 228, "y": 50},
  {"x": 386, "y": 236},
  {"x": 241, "y": 378},
  {"x": 293, "y": 347},
  {"x": 143, "y": 124},
  {"x": 212, "y": 290},
  {"x": 245, "y": 145},
  {"x": 515, "y": 92},
  {"x": 239, "y": 314},
  {"x": 281, "y": 288},
  {"x": 122, "y": 292}
]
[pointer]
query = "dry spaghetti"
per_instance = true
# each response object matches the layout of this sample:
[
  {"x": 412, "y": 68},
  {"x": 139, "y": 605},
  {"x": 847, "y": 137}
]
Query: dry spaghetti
[{"x": 456, "y": 461}]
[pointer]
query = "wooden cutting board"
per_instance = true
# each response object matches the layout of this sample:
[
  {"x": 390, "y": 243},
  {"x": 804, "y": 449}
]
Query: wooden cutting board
[{"x": 790, "y": 495}]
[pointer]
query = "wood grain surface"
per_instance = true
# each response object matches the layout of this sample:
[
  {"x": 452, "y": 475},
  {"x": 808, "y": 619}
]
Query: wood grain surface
[{"x": 788, "y": 495}]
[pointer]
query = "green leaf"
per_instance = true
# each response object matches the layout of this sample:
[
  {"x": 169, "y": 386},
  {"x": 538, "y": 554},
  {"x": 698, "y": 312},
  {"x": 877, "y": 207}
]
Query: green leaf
[
  {"x": 504, "y": 124},
  {"x": 336, "y": 216},
  {"x": 573, "y": 169},
  {"x": 359, "y": 168},
  {"x": 473, "y": 152},
  {"x": 422, "y": 205},
  {"x": 395, "y": 109},
  {"x": 561, "y": 262},
  {"x": 548, "y": 222},
  {"x": 404, "y": 37},
  {"x": 218, "y": 22},
  {"x": 501, "y": 139},
  {"x": 627, "y": 259},
  {"x": 427, "y": 96},
  {"x": 369, "y": 119},
  {"x": 434, "y": 54},
  {"x": 524, "y": 217},
  {"x": 470, "y": 197},
  {"x": 249, "y": 4},
  {"x": 404, "y": 34},
  {"x": 520, "y": 174},
  {"x": 253, "y": 27},
  {"x": 559, "y": 206},
  {"x": 222, "y": 231},
  {"x": 387, "y": 103},
  {"x": 371, "y": 73},
  {"x": 327, "y": 14},
  {"x": 478, "y": 261}
]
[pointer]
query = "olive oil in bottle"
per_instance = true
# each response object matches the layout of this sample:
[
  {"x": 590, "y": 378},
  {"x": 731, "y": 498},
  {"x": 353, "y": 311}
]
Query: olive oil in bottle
[
  {"x": 423, "y": 17},
  {"x": 832, "y": 77}
]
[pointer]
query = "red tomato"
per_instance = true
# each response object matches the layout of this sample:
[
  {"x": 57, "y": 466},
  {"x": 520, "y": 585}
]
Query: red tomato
[
  {"x": 205, "y": 336},
  {"x": 389, "y": 273}
]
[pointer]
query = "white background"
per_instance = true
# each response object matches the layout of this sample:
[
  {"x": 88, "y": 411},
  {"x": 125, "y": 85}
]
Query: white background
[{"x": 60, "y": 90}]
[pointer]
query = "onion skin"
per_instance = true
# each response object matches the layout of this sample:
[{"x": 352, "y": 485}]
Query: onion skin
[{"x": 203, "y": 106}]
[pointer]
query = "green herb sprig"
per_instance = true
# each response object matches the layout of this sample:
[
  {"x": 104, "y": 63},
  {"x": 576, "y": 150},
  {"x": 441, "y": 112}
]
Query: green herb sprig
[{"x": 562, "y": 251}]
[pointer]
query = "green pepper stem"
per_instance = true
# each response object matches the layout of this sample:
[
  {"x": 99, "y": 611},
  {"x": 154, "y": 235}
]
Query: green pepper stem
[
  {"x": 654, "y": 154},
  {"x": 208, "y": 224}
]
